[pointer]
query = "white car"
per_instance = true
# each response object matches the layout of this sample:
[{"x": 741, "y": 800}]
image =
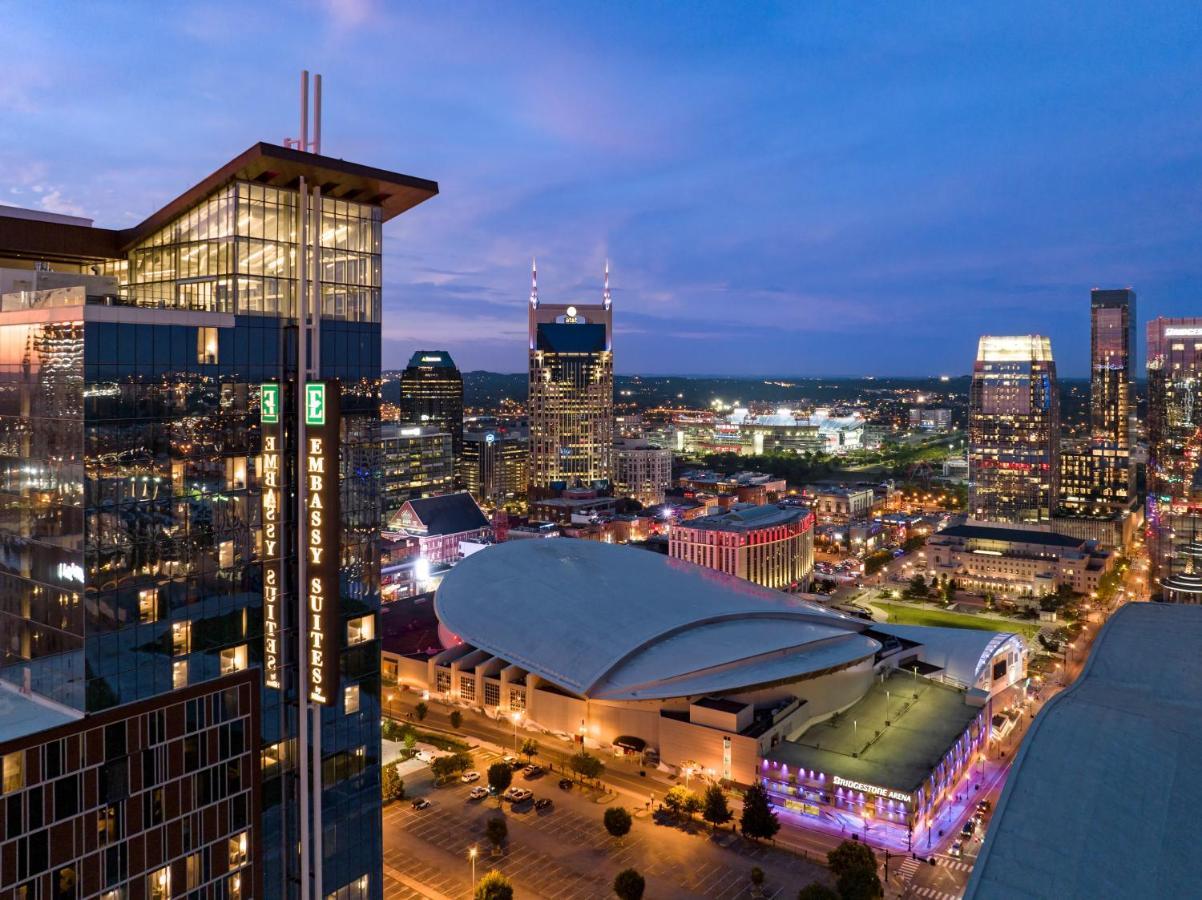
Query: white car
[
  {"x": 469, "y": 777},
  {"x": 424, "y": 756},
  {"x": 479, "y": 792}
]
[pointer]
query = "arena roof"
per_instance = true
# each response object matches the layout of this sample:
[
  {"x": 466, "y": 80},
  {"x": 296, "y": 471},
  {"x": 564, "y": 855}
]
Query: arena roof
[
  {"x": 619, "y": 623},
  {"x": 1109, "y": 777}
]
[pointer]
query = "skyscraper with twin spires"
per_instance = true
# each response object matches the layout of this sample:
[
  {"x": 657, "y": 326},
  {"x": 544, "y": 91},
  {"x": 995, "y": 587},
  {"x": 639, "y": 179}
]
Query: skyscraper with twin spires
[{"x": 571, "y": 391}]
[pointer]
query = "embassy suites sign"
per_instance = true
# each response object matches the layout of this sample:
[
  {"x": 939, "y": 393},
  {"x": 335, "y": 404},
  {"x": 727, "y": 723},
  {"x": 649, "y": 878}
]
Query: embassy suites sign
[
  {"x": 320, "y": 526},
  {"x": 322, "y": 532}
]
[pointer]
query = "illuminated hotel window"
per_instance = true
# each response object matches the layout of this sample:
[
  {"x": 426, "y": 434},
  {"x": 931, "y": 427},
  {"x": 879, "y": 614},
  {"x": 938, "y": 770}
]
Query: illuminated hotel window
[
  {"x": 350, "y": 698},
  {"x": 233, "y": 659},
  {"x": 181, "y": 638},
  {"x": 115, "y": 894},
  {"x": 272, "y": 756},
  {"x": 235, "y": 472},
  {"x": 239, "y": 849},
  {"x": 13, "y": 770},
  {"x": 158, "y": 884},
  {"x": 148, "y": 605},
  {"x": 179, "y": 674},
  {"x": 192, "y": 871},
  {"x": 206, "y": 346},
  {"x": 360, "y": 630},
  {"x": 234, "y": 891},
  {"x": 225, "y": 554}
]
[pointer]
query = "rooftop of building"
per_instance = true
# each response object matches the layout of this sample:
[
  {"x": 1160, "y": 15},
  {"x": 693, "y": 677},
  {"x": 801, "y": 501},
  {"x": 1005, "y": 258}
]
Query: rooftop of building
[
  {"x": 446, "y": 513},
  {"x": 611, "y": 622},
  {"x": 23, "y": 237},
  {"x": 25, "y": 714},
  {"x": 746, "y": 517},
  {"x": 395, "y": 430},
  {"x": 1107, "y": 780},
  {"x": 925, "y": 719},
  {"x": 981, "y": 532},
  {"x": 431, "y": 359}
]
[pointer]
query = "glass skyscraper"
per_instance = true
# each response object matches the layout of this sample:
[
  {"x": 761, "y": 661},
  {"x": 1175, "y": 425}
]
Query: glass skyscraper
[
  {"x": 131, "y": 467},
  {"x": 1112, "y": 362},
  {"x": 1013, "y": 430},
  {"x": 432, "y": 396},
  {"x": 571, "y": 392},
  {"x": 1174, "y": 505}
]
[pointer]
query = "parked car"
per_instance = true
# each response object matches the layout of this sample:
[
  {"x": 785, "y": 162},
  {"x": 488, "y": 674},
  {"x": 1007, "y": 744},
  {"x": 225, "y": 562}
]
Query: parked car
[
  {"x": 469, "y": 777},
  {"x": 969, "y": 827},
  {"x": 518, "y": 795},
  {"x": 542, "y": 803},
  {"x": 510, "y": 761},
  {"x": 984, "y": 806},
  {"x": 565, "y": 784},
  {"x": 957, "y": 849},
  {"x": 421, "y": 803},
  {"x": 479, "y": 792},
  {"x": 533, "y": 771}
]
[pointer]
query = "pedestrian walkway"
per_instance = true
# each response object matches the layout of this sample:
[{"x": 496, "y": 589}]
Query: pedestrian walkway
[
  {"x": 956, "y": 865},
  {"x": 932, "y": 893},
  {"x": 907, "y": 869}
]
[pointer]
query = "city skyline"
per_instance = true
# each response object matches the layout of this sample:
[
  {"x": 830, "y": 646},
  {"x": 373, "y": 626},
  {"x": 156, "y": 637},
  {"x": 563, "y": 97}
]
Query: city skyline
[{"x": 931, "y": 176}]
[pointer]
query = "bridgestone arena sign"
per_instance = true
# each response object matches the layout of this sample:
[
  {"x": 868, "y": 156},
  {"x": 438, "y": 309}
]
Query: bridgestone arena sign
[
  {"x": 871, "y": 789},
  {"x": 272, "y": 550},
  {"x": 322, "y": 535}
]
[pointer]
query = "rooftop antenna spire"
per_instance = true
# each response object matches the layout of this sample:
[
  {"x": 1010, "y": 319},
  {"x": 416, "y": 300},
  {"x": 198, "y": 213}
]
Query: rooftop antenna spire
[
  {"x": 605, "y": 297},
  {"x": 533, "y": 283},
  {"x": 303, "y": 142}
]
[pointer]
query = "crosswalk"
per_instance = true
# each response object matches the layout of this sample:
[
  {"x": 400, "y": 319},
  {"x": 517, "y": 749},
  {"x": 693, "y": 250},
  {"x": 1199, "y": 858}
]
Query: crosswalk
[
  {"x": 907, "y": 869},
  {"x": 956, "y": 865},
  {"x": 931, "y": 893}
]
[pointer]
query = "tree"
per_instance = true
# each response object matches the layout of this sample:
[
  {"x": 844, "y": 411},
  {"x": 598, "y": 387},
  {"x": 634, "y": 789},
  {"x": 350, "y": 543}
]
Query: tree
[
  {"x": 421, "y": 709},
  {"x": 918, "y": 586},
  {"x": 456, "y": 719},
  {"x": 854, "y": 867},
  {"x": 693, "y": 804},
  {"x": 500, "y": 776},
  {"x": 496, "y": 831},
  {"x": 816, "y": 890},
  {"x": 680, "y": 799},
  {"x": 529, "y": 749},
  {"x": 494, "y": 886},
  {"x": 617, "y": 821},
  {"x": 445, "y": 767},
  {"x": 758, "y": 821},
  {"x": 717, "y": 810},
  {"x": 410, "y": 739},
  {"x": 391, "y": 785},
  {"x": 629, "y": 885},
  {"x": 390, "y": 730},
  {"x": 586, "y": 765}
]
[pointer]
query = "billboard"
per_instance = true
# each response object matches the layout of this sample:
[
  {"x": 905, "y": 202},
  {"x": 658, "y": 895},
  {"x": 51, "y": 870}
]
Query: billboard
[{"x": 322, "y": 533}]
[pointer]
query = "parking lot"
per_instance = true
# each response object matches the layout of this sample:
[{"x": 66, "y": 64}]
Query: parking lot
[{"x": 565, "y": 852}]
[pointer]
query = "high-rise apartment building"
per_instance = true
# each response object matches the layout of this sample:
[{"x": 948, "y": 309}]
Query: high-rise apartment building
[
  {"x": 417, "y": 462},
  {"x": 1174, "y": 510},
  {"x": 1013, "y": 430},
  {"x": 1111, "y": 402},
  {"x": 571, "y": 391},
  {"x": 432, "y": 396},
  {"x": 496, "y": 464},
  {"x": 642, "y": 470},
  {"x": 149, "y": 438}
]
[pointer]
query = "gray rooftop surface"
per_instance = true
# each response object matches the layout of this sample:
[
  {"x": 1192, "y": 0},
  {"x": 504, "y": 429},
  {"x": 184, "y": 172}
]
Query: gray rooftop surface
[
  {"x": 21, "y": 715},
  {"x": 907, "y": 750},
  {"x": 1109, "y": 778}
]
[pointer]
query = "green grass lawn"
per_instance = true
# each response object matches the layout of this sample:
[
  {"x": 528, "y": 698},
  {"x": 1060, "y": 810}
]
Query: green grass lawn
[{"x": 904, "y": 615}]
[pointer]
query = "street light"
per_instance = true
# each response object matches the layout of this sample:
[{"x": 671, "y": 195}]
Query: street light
[
  {"x": 516, "y": 715},
  {"x": 472, "y": 855}
]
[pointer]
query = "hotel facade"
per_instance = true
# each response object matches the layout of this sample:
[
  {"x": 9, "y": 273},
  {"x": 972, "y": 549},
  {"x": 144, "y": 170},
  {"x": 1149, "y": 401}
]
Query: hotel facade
[{"x": 146, "y": 479}]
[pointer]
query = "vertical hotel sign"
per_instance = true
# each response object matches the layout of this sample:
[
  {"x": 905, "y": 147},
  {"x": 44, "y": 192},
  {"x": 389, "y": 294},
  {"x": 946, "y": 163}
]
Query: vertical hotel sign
[
  {"x": 322, "y": 536},
  {"x": 271, "y": 503}
]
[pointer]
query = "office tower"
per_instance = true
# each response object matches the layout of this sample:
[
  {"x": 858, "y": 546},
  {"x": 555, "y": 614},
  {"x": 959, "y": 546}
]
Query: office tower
[
  {"x": 1013, "y": 430},
  {"x": 642, "y": 470},
  {"x": 571, "y": 389},
  {"x": 417, "y": 463},
  {"x": 432, "y": 396},
  {"x": 496, "y": 464},
  {"x": 1174, "y": 517},
  {"x": 148, "y": 460},
  {"x": 1111, "y": 406}
]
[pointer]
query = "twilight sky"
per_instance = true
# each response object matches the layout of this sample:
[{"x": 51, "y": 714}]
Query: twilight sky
[{"x": 792, "y": 189}]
